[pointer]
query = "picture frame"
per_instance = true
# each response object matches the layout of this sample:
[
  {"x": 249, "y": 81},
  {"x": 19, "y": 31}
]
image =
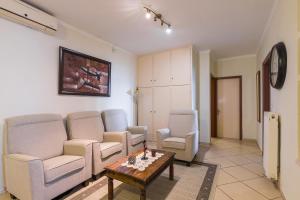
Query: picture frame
[
  {"x": 81, "y": 74},
  {"x": 258, "y": 96}
]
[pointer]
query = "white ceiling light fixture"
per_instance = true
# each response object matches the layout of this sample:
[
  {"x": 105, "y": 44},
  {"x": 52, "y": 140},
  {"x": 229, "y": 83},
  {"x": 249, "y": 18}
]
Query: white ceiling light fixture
[
  {"x": 148, "y": 14},
  {"x": 158, "y": 16},
  {"x": 169, "y": 30}
]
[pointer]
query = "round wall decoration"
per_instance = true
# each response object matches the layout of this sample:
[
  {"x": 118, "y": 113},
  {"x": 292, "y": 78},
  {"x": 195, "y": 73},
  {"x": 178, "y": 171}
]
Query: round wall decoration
[{"x": 278, "y": 65}]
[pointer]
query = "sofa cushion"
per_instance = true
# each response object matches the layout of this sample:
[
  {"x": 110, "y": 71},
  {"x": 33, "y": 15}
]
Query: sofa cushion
[
  {"x": 137, "y": 138},
  {"x": 60, "y": 166},
  {"x": 174, "y": 143},
  {"x": 109, "y": 148}
]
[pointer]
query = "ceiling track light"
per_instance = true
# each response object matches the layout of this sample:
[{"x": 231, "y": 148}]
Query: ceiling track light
[{"x": 158, "y": 16}]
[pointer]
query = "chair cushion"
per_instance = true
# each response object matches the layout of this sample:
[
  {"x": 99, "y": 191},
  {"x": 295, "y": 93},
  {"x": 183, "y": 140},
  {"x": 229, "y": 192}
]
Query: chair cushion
[
  {"x": 109, "y": 148},
  {"x": 183, "y": 122},
  {"x": 60, "y": 166},
  {"x": 39, "y": 135},
  {"x": 85, "y": 125},
  {"x": 114, "y": 120},
  {"x": 174, "y": 143},
  {"x": 137, "y": 138}
]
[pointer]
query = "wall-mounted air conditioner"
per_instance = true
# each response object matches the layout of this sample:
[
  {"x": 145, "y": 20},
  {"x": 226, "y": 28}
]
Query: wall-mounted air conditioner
[{"x": 22, "y": 13}]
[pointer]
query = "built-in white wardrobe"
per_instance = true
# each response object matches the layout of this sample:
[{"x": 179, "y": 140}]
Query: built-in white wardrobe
[{"x": 166, "y": 81}]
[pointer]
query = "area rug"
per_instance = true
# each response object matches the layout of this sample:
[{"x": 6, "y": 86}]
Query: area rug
[{"x": 190, "y": 183}]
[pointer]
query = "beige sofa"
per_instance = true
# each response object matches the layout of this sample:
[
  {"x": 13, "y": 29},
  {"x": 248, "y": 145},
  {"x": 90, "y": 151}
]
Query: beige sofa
[
  {"x": 107, "y": 146},
  {"x": 116, "y": 120},
  {"x": 181, "y": 136},
  {"x": 39, "y": 162}
]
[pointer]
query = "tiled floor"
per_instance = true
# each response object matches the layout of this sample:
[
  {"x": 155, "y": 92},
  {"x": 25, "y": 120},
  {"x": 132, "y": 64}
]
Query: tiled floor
[{"x": 241, "y": 174}]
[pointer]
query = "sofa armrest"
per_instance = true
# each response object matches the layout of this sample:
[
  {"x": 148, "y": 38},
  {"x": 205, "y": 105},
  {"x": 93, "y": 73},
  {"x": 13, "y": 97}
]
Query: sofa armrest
[
  {"x": 78, "y": 147},
  {"x": 162, "y": 134},
  {"x": 24, "y": 176},
  {"x": 138, "y": 129},
  {"x": 115, "y": 137}
]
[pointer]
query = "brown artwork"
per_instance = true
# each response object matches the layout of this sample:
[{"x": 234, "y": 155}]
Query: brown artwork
[{"x": 81, "y": 74}]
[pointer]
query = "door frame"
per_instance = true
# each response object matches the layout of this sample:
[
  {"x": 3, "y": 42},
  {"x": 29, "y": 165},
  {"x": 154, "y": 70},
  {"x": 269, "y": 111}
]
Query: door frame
[{"x": 215, "y": 114}]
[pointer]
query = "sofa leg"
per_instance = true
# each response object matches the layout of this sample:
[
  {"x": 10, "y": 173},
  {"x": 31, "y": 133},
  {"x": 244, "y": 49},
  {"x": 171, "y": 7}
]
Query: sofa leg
[
  {"x": 188, "y": 164},
  {"x": 85, "y": 183},
  {"x": 12, "y": 196}
]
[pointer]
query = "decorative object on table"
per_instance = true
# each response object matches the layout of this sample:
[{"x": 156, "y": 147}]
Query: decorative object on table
[
  {"x": 258, "y": 108},
  {"x": 80, "y": 74},
  {"x": 153, "y": 152},
  {"x": 132, "y": 160},
  {"x": 145, "y": 151},
  {"x": 278, "y": 65}
]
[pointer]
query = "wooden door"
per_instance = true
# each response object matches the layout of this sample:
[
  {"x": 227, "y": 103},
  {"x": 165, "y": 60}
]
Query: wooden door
[
  {"x": 181, "y": 97},
  {"x": 145, "y": 71},
  {"x": 145, "y": 106},
  {"x": 213, "y": 109},
  {"x": 161, "y": 107},
  {"x": 228, "y": 101},
  {"x": 181, "y": 66},
  {"x": 161, "y": 69}
]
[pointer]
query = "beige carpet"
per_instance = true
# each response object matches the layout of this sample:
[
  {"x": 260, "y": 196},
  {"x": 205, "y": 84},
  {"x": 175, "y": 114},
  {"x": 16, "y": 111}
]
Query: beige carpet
[{"x": 190, "y": 183}]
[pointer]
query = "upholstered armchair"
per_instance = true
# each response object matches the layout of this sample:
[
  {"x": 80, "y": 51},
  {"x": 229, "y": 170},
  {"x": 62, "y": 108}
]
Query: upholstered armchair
[
  {"x": 108, "y": 147},
  {"x": 116, "y": 120},
  {"x": 39, "y": 162},
  {"x": 181, "y": 136}
]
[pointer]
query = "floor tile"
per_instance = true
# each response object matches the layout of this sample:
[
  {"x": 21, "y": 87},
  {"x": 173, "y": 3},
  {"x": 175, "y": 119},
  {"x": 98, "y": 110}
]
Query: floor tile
[
  {"x": 239, "y": 191},
  {"x": 224, "y": 178},
  {"x": 239, "y": 160},
  {"x": 219, "y": 195},
  {"x": 240, "y": 173},
  {"x": 264, "y": 186},
  {"x": 223, "y": 162},
  {"x": 255, "y": 168}
]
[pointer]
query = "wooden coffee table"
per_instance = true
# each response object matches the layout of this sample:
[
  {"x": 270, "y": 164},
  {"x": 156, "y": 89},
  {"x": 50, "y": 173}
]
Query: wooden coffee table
[{"x": 137, "y": 178}]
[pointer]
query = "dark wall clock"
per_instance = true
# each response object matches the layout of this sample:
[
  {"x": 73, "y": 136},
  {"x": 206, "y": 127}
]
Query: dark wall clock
[{"x": 278, "y": 65}]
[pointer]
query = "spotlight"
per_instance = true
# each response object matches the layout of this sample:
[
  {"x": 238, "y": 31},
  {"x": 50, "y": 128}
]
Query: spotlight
[
  {"x": 148, "y": 15},
  {"x": 169, "y": 30}
]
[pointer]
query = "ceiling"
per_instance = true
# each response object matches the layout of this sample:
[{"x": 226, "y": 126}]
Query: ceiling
[{"x": 227, "y": 27}]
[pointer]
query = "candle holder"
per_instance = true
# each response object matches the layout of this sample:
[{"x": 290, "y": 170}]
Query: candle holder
[{"x": 145, "y": 149}]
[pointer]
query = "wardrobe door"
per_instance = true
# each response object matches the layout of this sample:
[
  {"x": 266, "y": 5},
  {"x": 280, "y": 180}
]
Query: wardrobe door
[
  {"x": 181, "y": 97},
  {"x": 145, "y": 71},
  {"x": 145, "y": 110},
  {"x": 161, "y": 69},
  {"x": 181, "y": 66},
  {"x": 161, "y": 108}
]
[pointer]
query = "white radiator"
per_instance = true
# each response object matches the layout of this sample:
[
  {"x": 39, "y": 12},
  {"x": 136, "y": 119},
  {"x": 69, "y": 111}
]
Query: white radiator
[{"x": 271, "y": 145}]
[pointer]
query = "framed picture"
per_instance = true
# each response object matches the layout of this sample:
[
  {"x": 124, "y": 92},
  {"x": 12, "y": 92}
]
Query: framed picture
[
  {"x": 80, "y": 74},
  {"x": 258, "y": 107}
]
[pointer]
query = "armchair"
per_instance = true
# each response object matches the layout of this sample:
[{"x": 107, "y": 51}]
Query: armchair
[
  {"x": 182, "y": 135},
  {"x": 115, "y": 120},
  {"x": 39, "y": 163},
  {"x": 107, "y": 146}
]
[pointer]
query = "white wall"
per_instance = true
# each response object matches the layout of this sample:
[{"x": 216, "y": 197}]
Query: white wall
[
  {"x": 29, "y": 73},
  {"x": 283, "y": 27},
  {"x": 204, "y": 98},
  {"x": 244, "y": 66}
]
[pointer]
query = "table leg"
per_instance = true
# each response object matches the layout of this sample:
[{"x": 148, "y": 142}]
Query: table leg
[
  {"x": 143, "y": 194},
  {"x": 171, "y": 173},
  {"x": 110, "y": 188}
]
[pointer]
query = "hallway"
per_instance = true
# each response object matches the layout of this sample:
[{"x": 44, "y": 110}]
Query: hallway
[{"x": 241, "y": 172}]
